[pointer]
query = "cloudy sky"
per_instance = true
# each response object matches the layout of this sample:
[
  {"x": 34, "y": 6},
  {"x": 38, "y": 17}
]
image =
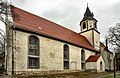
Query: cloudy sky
[{"x": 69, "y": 13}]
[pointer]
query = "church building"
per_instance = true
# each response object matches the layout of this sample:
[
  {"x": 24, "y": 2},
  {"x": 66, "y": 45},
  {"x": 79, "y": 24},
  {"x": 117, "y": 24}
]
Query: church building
[{"x": 40, "y": 45}]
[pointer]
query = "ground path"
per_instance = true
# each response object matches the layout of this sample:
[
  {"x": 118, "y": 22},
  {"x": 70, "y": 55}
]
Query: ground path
[{"x": 69, "y": 75}]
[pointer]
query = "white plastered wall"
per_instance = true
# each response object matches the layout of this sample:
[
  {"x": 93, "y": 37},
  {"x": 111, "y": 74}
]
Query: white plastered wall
[
  {"x": 98, "y": 64},
  {"x": 51, "y": 54}
]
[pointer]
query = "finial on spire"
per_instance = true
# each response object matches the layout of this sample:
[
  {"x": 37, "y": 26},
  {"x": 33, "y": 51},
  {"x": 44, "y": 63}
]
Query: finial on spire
[{"x": 87, "y": 4}]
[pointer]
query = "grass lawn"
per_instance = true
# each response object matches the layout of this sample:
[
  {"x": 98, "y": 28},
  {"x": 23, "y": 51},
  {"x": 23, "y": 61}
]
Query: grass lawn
[{"x": 112, "y": 76}]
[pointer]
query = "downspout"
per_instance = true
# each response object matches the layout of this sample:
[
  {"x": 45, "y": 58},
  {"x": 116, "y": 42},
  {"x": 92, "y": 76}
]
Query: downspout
[
  {"x": 108, "y": 54},
  {"x": 12, "y": 53}
]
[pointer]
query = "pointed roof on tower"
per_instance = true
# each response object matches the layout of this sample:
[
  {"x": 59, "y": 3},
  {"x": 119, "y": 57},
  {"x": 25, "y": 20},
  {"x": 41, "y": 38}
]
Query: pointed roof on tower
[{"x": 88, "y": 15}]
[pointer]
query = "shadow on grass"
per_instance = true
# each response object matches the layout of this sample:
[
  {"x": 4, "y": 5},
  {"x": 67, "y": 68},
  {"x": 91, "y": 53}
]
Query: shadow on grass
[{"x": 112, "y": 76}]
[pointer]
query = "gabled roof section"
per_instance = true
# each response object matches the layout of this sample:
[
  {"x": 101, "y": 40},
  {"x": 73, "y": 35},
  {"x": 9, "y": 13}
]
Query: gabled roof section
[
  {"x": 29, "y": 22},
  {"x": 93, "y": 58},
  {"x": 105, "y": 48},
  {"x": 102, "y": 45}
]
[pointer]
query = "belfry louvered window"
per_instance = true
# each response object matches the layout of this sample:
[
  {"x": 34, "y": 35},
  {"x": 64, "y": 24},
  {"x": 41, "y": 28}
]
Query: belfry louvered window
[
  {"x": 95, "y": 25},
  {"x": 84, "y": 25},
  {"x": 33, "y": 54}
]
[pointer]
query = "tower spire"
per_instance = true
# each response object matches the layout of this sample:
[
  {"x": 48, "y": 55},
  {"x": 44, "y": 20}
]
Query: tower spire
[
  {"x": 88, "y": 15},
  {"x": 88, "y": 27}
]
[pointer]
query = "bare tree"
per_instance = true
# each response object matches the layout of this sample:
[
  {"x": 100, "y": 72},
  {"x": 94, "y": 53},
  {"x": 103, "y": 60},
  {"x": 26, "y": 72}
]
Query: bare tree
[
  {"x": 114, "y": 37},
  {"x": 3, "y": 40},
  {"x": 2, "y": 54}
]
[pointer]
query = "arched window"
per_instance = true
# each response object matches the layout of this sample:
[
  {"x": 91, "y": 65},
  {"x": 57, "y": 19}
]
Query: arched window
[
  {"x": 33, "y": 45},
  {"x": 82, "y": 59},
  {"x": 33, "y": 54},
  {"x": 66, "y": 56},
  {"x": 82, "y": 55},
  {"x": 101, "y": 65},
  {"x": 84, "y": 25}
]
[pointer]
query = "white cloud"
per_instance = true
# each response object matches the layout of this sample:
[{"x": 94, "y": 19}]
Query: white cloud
[{"x": 70, "y": 12}]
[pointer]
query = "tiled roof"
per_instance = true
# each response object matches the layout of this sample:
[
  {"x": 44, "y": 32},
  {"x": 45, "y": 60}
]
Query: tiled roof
[
  {"x": 30, "y": 22},
  {"x": 93, "y": 58}
]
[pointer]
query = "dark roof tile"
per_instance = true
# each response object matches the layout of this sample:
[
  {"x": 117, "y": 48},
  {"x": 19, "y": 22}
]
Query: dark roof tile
[{"x": 93, "y": 58}]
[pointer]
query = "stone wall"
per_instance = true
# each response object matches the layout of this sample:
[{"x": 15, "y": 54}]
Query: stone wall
[
  {"x": 89, "y": 36},
  {"x": 108, "y": 58},
  {"x": 51, "y": 54},
  {"x": 91, "y": 65},
  {"x": 98, "y": 64}
]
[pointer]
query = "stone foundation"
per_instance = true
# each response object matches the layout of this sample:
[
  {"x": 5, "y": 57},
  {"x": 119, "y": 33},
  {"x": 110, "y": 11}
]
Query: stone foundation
[{"x": 42, "y": 73}]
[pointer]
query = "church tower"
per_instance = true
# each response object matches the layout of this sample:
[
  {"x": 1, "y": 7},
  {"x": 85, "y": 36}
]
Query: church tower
[{"x": 88, "y": 27}]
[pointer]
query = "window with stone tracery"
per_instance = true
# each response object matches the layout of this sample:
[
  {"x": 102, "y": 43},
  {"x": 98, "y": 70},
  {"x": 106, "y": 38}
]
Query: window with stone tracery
[
  {"x": 82, "y": 59},
  {"x": 66, "y": 56},
  {"x": 33, "y": 52}
]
